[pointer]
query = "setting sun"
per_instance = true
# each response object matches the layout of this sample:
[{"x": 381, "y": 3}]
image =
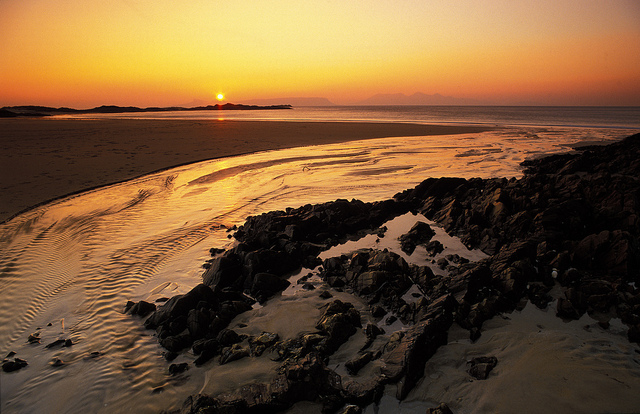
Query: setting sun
[{"x": 220, "y": 96}]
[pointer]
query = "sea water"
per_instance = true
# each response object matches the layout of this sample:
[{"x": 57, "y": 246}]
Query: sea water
[{"x": 69, "y": 267}]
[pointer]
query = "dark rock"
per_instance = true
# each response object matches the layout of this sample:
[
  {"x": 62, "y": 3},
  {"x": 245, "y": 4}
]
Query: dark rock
[
  {"x": 378, "y": 311},
  {"x": 434, "y": 247},
  {"x": 205, "y": 349},
  {"x": 440, "y": 409},
  {"x": 228, "y": 337},
  {"x": 407, "y": 359},
  {"x": 420, "y": 233},
  {"x": 480, "y": 367},
  {"x": 58, "y": 342},
  {"x": 352, "y": 409},
  {"x": 262, "y": 342},
  {"x": 175, "y": 369},
  {"x": 34, "y": 338},
  {"x": 266, "y": 285},
  {"x": 141, "y": 308},
  {"x": 176, "y": 343},
  {"x": 16, "y": 364},
  {"x": 357, "y": 363},
  {"x": 325, "y": 294},
  {"x": 233, "y": 353},
  {"x": 57, "y": 362},
  {"x": 181, "y": 305},
  {"x": 339, "y": 321}
]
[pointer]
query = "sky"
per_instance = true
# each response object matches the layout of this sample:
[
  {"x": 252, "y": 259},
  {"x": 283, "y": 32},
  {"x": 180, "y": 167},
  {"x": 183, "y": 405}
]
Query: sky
[{"x": 85, "y": 53}]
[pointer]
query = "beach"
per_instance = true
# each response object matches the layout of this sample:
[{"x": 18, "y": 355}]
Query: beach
[
  {"x": 44, "y": 159},
  {"x": 79, "y": 268}
]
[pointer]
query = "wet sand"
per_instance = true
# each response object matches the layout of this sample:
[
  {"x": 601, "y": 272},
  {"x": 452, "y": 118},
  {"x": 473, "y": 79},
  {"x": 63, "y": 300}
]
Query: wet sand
[{"x": 44, "y": 159}]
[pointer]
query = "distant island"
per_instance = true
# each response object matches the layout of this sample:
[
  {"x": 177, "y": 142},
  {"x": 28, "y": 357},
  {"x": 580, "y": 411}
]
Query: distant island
[{"x": 33, "y": 110}]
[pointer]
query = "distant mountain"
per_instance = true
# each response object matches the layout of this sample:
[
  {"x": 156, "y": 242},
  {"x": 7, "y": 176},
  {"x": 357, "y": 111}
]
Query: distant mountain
[
  {"x": 295, "y": 101},
  {"x": 416, "y": 99}
]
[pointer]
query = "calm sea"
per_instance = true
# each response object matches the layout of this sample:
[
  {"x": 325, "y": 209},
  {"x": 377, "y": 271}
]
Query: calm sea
[{"x": 574, "y": 116}]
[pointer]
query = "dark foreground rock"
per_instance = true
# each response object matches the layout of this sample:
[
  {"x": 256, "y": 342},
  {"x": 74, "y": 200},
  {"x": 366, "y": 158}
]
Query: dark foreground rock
[{"x": 571, "y": 220}]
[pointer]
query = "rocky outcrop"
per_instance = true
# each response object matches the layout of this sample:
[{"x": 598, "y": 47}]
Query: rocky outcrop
[{"x": 572, "y": 220}]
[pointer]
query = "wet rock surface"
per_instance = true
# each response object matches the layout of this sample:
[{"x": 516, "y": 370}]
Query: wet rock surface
[{"x": 572, "y": 221}]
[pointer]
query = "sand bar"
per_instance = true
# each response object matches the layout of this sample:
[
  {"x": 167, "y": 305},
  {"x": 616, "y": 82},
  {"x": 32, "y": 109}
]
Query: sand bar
[{"x": 44, "y": 159}]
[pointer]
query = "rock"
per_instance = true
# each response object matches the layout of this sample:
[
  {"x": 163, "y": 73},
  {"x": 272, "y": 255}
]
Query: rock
[
  {"x": 420, "y": 233},
  {"x": 233, "y": 353},
  {"x": 262, "y": 342},
  {"x": 16, "y": 364},
  {"x": 34, "y": 338},
  {"x": 205, "y": 349},
  {"x": 357, "y": 363},
  {"x": 177, "y": 343},
  {"x": 339, "y": 321},
  {"x": 266, "y": 285},
  {"x": 378, "y": 311},
  {"x": 325, "y": 294},
  {"x": 407, "y": 359},
  {"x": 480, "y": 367},
  {"x": 434, "y": 247},
  {"x": 228, "y": 337},
  {"x": 223, "y": 272},
  {"x": 57, "y": 362},
  {"x": 175, "y": 369},
  {"x": 352, "y": 409},
  {"x": 180, "y": 305},
  {"x": 58, "y": 342},
  {"x": 141, "y": 308},
  {"x": 440, "y": 409}
]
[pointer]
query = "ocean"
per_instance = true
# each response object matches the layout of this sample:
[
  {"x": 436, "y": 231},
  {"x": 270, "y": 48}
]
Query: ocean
[
  {"x": 547, "y": 116},
  {"x": 75, "y": 262}
]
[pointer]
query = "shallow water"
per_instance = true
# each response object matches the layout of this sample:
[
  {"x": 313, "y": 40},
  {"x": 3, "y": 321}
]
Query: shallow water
[{"x": 75, "y": 262}]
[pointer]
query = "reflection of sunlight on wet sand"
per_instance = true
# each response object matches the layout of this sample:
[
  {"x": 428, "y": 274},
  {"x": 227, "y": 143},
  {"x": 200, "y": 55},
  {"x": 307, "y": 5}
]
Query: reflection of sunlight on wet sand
[{"x": 81, "y": 258}]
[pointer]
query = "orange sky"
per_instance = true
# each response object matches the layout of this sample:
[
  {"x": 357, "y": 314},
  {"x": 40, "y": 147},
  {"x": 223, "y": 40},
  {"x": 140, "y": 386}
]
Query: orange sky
[{"x": 84, "y": 53}]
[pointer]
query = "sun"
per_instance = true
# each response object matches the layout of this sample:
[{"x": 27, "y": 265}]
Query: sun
[{"x": 220, "y": 96}]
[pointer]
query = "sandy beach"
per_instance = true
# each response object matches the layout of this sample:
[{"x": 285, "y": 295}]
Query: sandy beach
[{"x": 44, "y": 159}]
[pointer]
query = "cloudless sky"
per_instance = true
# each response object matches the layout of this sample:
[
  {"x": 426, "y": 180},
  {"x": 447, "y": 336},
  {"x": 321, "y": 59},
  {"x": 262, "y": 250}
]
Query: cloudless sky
[{"x": 83, "y": 53}]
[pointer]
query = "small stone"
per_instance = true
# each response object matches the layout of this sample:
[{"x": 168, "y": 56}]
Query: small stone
[
  {"x": 175, "y": 369},
  {"x": 440, "y": 409},
  {"x": 55, "y": 343},
  {"x": 16, "y": 364},
  {"x": 325, "y": 294},
  {"x": 68, "y": 343},
  {"x": 482, "y": 366},
  {"x": 308, "y": 286},
  {"x": 57, "y": 362},
  {"x": 34, "y": 338}
]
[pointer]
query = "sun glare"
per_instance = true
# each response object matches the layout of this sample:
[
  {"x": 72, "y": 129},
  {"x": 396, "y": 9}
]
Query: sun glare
[{"x": 220, "y": 96}]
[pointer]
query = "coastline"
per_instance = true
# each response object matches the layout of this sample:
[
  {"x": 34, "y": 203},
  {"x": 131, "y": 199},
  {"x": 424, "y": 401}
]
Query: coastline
[
  {"x": 537, "y": 259},
  {"x": 54, "y": 158}
]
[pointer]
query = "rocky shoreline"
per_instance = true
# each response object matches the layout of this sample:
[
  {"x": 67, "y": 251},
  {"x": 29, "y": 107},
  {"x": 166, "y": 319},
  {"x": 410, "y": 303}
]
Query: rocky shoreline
[{"x": 570, "y": 221}]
